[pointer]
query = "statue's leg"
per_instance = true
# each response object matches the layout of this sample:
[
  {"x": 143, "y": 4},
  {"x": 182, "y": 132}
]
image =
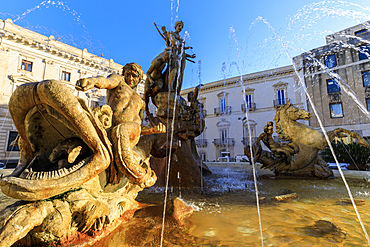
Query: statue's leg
[
  {"x": 173, "y": 74},
  {"x": 157, "y": 87},
  {"x": 124, "y": 137}
]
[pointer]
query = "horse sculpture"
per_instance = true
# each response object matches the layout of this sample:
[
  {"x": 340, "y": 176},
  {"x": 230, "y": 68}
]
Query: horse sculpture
[{"x": 298, "y": 154}]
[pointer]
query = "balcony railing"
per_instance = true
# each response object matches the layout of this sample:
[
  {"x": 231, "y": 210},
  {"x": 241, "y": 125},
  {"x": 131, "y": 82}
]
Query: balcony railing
[
  {"x": 204, "y": 113},
  {"x": 224, "y": 142},
  {"x": 223, "y": 110},
  {"x": 280, "y": 102},
  {"x": 251, "y": 107},
  {"x": 246, "y": 142},
  {"x": 201, "y": 143}
]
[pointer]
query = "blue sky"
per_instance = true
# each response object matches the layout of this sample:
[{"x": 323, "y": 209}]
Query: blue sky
[{"x": 230, "y": 38}]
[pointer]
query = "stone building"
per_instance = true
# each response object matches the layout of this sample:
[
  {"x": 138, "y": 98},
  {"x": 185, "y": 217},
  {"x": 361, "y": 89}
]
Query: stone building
[
  {"x": 337, "y": 77},
  {"x": 26, "y": 56},
  {"x": 231, "y": 105}
]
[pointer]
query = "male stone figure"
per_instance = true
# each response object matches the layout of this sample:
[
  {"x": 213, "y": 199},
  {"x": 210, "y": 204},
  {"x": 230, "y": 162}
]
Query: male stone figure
[
  {"x": 155, "y": 78},
  {"x": 128, "y": 108}
]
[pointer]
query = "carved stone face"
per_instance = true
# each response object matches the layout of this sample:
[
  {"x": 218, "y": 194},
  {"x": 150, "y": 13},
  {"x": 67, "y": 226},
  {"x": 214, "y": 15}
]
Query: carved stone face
[
  {"x": 132, "y": 78},
  {"x": 179, "y": 28},
  {"x": 295, "y": 113}
]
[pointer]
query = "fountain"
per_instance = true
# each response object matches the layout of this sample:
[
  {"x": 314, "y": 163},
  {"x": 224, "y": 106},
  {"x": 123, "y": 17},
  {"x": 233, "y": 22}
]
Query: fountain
[
  {"x": 81, "y": 168},
  {"x": 88, "y": 170}
]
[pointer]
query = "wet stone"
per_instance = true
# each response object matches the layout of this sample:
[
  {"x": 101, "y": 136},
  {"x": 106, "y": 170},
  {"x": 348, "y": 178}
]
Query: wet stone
[
  {"x": 324, "y": 228},
  {"x": 285, "y": 198},
  {"x": 358, "y": 202}
]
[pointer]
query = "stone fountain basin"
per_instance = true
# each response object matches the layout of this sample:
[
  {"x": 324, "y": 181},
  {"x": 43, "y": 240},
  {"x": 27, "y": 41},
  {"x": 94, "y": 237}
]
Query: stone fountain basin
[
  {"x": 225, "y": 213},
  {"x": 347, "y": 173}
]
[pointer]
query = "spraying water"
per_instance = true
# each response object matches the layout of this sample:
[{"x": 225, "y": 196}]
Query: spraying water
[{"x": 323, "y": 130}]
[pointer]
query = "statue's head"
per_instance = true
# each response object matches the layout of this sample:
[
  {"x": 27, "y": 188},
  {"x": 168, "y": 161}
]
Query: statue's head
[
  {"x": 179, "y": 26},
  {"x": 190, "y": 96},
  {"x": 133, "y": 74}
]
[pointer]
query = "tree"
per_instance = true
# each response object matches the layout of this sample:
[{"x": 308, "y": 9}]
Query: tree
[{"x": 354, "y": 154}]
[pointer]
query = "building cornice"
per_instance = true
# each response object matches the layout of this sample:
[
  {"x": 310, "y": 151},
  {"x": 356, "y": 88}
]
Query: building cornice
[
  {"x": 54, "y": 47},
  {"x": 258, "y": 77}
]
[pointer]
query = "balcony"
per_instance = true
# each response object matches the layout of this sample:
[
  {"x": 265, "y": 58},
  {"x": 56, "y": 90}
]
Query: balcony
[
  {"x": 201, "y": 143},
  {"x": 280, "y": 102},
  {"x": 224, "y": 142},
  {"x": 222, "y": 110},
  {"x": 251, "y": 107},
  {"x": 245, "y": 140}
]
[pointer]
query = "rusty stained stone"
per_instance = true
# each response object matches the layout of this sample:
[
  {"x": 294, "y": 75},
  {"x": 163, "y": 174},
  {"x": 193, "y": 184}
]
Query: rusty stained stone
[{"x": 285, "y": 198}]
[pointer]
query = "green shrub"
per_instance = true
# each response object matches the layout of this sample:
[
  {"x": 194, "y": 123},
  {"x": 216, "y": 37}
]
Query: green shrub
[{"x": 354, "y": 154}]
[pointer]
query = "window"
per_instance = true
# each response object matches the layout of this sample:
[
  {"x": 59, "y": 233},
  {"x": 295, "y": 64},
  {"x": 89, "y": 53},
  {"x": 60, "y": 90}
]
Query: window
[
  {"x": 223, "y": 135},
  {"x": 281, "y": 97},
  {"x": 336, "y": 110},
  {"x": 330, "y": 61},
  {"x": 361, "y": 32},
  {"x": 252, "y": 125},
  {"x": 202, "y": 156},
  {"x": 11, "y": 138},
  {"x": 366, "y": 78},
  {"x": 332, "y": 85},
  {"x": 94, "y": 103},
  {"x": 281, "y": 91},
  {"x": 66, "y": 76},
  {"x": 248, "y": 100},
  {"x": 368, "y": 104},
  {"x": 222, "y": 104},
  {"x": 201, "y": 136},
  {"x": 364, "y": 52},
  {"x": 26, "y": 65}
]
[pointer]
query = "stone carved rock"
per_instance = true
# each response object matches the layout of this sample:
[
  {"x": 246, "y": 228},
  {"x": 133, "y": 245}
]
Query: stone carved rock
[
  {"x": 298, "y": 154},
  {"x": 80, "y": 168}
]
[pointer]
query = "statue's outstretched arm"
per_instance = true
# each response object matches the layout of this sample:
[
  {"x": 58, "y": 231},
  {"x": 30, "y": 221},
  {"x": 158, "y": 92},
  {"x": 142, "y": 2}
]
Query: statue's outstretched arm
[
  {"x": 101, "y": 82},
  {"x": 160, "y": 128}
]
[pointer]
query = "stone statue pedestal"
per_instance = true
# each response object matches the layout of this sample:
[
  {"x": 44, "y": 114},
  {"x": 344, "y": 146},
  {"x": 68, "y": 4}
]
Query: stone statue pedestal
[{"x": 185, "y": 167}]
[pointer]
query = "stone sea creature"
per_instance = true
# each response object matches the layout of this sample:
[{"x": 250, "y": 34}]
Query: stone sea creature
[
  {"x": 64, "y": 176},
  {"x": 298, "y": 155}
]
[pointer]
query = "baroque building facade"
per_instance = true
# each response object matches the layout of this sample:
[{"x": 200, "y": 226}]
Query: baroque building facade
[
  {"x": 241, "y": 106},
  {"x": 337, "y": 78},
  {"x": 27, "y": 56}
]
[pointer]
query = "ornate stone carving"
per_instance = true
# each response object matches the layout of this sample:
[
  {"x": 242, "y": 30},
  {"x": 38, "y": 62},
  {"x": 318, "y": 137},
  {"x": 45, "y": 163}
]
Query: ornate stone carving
[
  {"x": 298, "y": 155},
  {"x": 367, "y": 92},
  {"x": 335, "y": 97},
  {"x": 77, "y": 171},
  {"x": 185, "y": 118}
]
